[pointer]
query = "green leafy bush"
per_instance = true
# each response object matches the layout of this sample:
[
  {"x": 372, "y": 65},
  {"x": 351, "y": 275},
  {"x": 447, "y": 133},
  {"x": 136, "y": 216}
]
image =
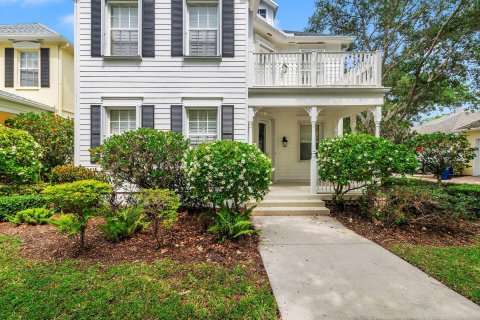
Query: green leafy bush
[
  {"x": 438, "y": 151},
  {"x": 230, "y": 225},
  {"x": 363, "y": 159},
  {"x": 52, "y": 132},
  {"x": 32, "y": 216},
  {"x": 79, "y": 201},
  {"x": 10, "y": 205},
  {"x": 161, "y": 208},
  {"x": 71, "y": 173},
  {"x": 19, "y": 157},
  {"x": 124, "y": 223},
  {"x": 228, "y": 171},
  {"x": 22, "y": 189},
  {"x": 465, "y": 189},
  {"x": 146, "y": 158},
  {"x": 405, "y": 182}
]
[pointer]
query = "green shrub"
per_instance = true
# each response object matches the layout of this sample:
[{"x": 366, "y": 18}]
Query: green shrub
[
  {"x": 79, "y": 201},
  {"x": 10, "y": 205},
  {"x": 465, "y": 189},
  {"x": 438, "y": 151},
  {"x": 22, "y": 189},
  {"x": 19, "y": 157},
  {"x": 230, "y": 225},
  {"x": 405, "y": 182},
  {"x": 363, "y": 159},
  {"x": 227, "y": 171},
  {"x": 124, "y": 223},
  {"x": 161, "y": 208},
  {"x": 70, "y": 173},
  {"x": 52, "y": 132},
  {"x": 32, "y": 216}
]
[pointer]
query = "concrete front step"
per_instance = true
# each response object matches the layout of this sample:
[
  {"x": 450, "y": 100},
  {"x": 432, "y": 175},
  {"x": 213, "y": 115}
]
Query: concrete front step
[
  {"x": 291, "y": 211},
  {"x": 296, "y": 197},
  {"x": 287, "y": 203}
]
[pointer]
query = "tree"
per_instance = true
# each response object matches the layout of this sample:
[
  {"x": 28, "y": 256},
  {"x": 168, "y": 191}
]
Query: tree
[{"x": 430, "y": 52}]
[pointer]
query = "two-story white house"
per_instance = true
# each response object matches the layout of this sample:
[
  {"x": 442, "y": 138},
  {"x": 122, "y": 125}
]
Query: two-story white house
[{"x": 217, "y": 69}]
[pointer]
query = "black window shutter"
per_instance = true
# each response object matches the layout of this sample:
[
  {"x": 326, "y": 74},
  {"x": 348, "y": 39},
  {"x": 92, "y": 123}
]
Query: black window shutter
[
  {"x": 96, "y": 28},
  {"x": 9, "y": 67},
  {"x": 176, "y": 118},
  {"x": 45, "y": 67},
  {"x": 148, "y": 28},
  {"x": 227, "y": 122},
  {"x": 177, "y": 28},
  {"x": 228, "y": 28},
  {"x": 95, "y": 125},
  {"x": 148, "y": 116}
]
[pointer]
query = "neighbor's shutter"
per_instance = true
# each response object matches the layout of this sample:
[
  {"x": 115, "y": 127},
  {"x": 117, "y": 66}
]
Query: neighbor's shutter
[
  {"x": 96, "y": 28},
  {"x": 148, "y": 116},
  {"x": 148, "y": 28},
  {"x": 176, "y": 118},
  {"x": 45, "y": 67},
  {"x": 227, "y": 122},
  {"x": 95, "y": 125},
  {"x": 228, "y": 28},
  {"x": 177, "y": 28},
  {"x": 9, "y": 67}
]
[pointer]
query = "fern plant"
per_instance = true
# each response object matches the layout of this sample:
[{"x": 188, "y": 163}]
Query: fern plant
[
  {"x": 31, "y": 216},
  {"x": 124, "y": 223},
  {"x": 230, "y": 225}
]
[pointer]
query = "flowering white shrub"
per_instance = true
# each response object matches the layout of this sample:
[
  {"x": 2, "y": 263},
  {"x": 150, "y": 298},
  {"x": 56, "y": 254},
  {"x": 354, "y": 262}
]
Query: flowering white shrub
[{"x": 228, "y": 171}]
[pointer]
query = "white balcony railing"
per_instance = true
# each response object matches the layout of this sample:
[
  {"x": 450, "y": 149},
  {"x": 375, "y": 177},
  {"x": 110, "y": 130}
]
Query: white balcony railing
[{"x": 313, "y": 69}]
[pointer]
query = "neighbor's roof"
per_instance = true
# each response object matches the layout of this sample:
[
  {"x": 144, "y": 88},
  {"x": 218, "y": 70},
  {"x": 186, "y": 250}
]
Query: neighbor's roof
[
  {"x": 457, "y": 121},
  {"x": 21, "y": 100},
  {"x": 472, "y": 126},
  {"x": 33, "y": 31}
]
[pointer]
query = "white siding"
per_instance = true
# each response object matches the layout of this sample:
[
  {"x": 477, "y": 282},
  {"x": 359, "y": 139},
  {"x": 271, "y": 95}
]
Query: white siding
[{"x": 161, "y": 81}]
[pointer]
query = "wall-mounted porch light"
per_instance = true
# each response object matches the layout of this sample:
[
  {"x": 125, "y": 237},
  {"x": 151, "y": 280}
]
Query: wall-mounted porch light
[{"x": 284, "y": 142}]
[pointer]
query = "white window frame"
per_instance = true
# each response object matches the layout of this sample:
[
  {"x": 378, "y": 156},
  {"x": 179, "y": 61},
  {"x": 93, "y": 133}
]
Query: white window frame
[
  {"x": 186, "y": 26},
  {"x": 319, "y": 132},
  {"x": 262, "y": 9},
  {"x": 108, "y": 26},
  {"x": 186, "y": 131},
  {"x": 19, "y": 73}
]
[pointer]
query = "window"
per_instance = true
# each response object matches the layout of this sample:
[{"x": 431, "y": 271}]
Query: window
[
  {"x": 202, "y": 125},
  {"x": 123, "y": 33},
  {"x": 262, "y": 13},
  {"x": 306, "y": 141},
  {"x": 122, "y": 121},
  {"x": 29, "y": 67},
  {"x": 203, "y": 29}
]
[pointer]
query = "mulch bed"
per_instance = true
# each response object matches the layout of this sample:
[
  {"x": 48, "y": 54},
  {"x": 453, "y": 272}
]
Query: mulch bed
[
  {"x": 387, "y": 236},
  {"x": 187, "y": 242}
]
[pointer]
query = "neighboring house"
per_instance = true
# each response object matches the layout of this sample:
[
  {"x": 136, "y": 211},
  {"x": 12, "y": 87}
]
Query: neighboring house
[
  {"x": 460, "y": 121},
  {"x": 218, "y": 70},
  {"x": 36, "y": 68}
]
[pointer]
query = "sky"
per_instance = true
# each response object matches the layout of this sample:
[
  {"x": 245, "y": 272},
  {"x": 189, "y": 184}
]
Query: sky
[{"x": 58, "y": 14}]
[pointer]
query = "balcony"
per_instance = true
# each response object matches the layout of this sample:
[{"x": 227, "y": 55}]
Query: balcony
[{"x": 316, "y": 69}]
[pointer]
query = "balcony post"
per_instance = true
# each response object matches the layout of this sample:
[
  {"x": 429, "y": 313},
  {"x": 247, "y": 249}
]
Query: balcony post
[
  {"x": 379, "y": 68},
  {"x": 378, "y": 120},
  {"x": 313, "y": 112}
]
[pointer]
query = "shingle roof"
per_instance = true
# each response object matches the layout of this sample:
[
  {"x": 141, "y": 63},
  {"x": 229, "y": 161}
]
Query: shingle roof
[
  {"x": 456, "y": 121},
  {"x": 26, "y": 29},
  {"x": 473, "y": 125},
  {"x": 22, "y": 100}
]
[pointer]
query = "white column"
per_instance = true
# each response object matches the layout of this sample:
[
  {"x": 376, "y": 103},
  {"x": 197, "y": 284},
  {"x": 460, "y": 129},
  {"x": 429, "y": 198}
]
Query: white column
[
  {"x": 378, "y": 120},
  {"x": 353, "y": 123},
  {"x": 340, "y": 127},
  {"x": 313, "y": 162},
  {"x": 251, "y": 115}
]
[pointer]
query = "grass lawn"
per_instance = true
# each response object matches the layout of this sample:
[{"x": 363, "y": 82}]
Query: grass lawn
[
  {"x": 165, "y": 290},
  {"x": 457, "y": 267}
]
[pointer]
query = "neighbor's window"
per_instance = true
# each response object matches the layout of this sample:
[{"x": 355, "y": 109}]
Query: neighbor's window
[
  {"x": 29, "y": 67},
  {"x": 306, "y": 141},
  {"x": 122, "y": 121},
  {"x": 262, "y": 13},
  {"x": 203, "y": 29},
  {"x": 202, "y": 125},
  {"x": 124, "y": 31}
]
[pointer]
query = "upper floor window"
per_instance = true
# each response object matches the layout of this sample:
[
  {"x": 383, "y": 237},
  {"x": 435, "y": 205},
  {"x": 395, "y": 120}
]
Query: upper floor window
[
  {"x": 123, "y": 30},
  {"x": 203, "y": 29},
  {"x": 29, "y": 68},
  {"x": 262, "y": 13}
]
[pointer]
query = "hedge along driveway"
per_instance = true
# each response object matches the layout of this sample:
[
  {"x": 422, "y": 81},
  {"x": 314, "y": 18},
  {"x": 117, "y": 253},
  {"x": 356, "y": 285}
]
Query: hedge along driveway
[{"x": 165, "y": 290}]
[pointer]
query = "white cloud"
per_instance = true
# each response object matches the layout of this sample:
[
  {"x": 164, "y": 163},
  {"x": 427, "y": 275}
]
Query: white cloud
[{"x": 68, "y": 20}]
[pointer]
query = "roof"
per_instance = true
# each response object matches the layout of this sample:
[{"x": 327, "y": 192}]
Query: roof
[
  {"x": 472, "y": 126},
  {"x": 307, "y": 34},
  {"x": 13, "y": 97},
  {"x": 457, "y": 121},
  {"x": 26, "y": 29}
]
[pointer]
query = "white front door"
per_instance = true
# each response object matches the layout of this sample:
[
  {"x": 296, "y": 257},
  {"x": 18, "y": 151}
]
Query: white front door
[{"x": 476, "y": 162}]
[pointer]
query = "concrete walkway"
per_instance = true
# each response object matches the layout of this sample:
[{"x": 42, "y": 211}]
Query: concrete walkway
[{"x": 321, "y": 270}]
